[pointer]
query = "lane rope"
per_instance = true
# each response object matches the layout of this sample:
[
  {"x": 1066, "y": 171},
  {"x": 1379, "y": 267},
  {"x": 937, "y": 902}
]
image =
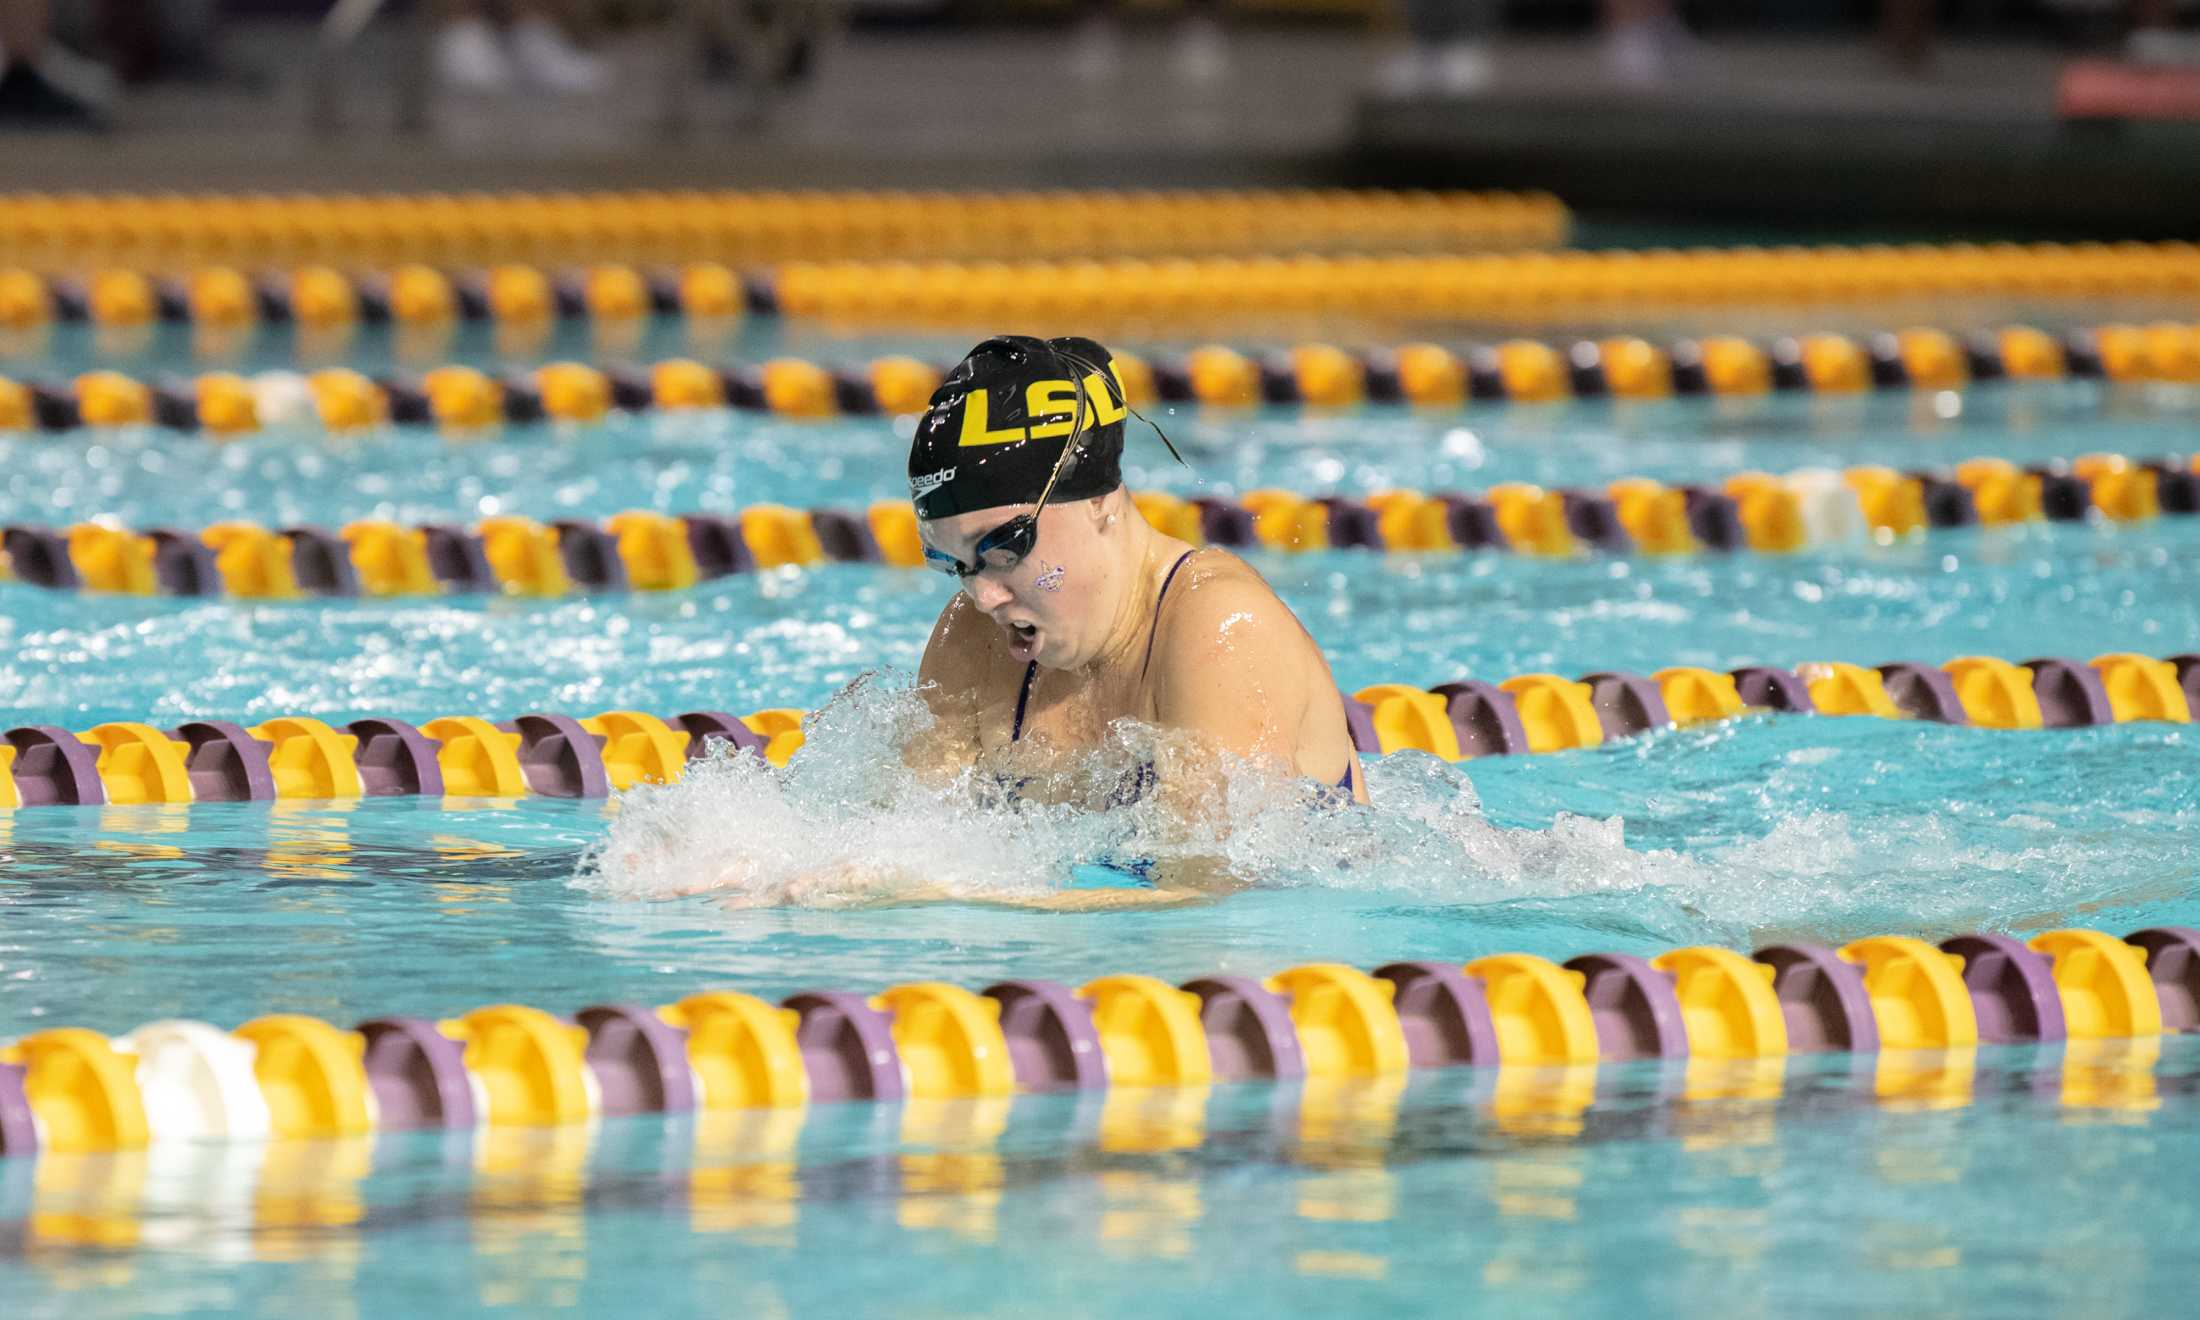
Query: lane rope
[
  {"x": 68, "y": 1090},
  {"x": 592, "y": 756},
  {"x": 644, "y": 550},
  {"x": 465, "y": 400}
]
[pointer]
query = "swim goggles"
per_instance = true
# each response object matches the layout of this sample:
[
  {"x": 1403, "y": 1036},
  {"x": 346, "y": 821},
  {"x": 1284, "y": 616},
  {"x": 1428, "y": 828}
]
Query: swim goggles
[{"x": 1001, "y": 549}]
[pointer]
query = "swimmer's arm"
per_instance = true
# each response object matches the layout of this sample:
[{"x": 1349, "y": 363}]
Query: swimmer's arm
[
  {"x": 849, "y": 889},
  {"x": 1095, "y": 900},
  {"x": 1207, "y": 877},
  {"x": 949, "y": 678},
  {"x": 1225, "y": 673}
]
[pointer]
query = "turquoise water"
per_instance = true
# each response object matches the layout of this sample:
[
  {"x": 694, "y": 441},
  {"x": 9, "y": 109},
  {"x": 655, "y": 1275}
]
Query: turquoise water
[
  {"x": 1764, "y": 830},
  {"x": 1829, "y": 1186},
  {"x": 716, "y": 462},
  {"x": 795, "y": 637},
  {"x": 1815, "y": 1197}
]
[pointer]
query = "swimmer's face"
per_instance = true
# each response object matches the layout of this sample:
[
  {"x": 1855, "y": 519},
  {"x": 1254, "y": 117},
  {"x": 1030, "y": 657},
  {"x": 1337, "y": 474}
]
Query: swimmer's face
[{"x": 1044, "y": 602}]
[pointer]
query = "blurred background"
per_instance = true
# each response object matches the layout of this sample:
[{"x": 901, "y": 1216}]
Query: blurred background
[
  {"x": 1824, "y": 118},
  {"x": 376, "y": 362}
]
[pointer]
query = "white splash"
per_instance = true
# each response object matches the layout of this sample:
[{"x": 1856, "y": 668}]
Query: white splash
[
  {"x": 845, "y": 823},
  {"x": 1757, "y": 857}
]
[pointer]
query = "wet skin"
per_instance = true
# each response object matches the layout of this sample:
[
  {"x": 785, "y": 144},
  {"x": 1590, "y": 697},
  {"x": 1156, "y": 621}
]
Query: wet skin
[{"x": 1230, "y": 664}]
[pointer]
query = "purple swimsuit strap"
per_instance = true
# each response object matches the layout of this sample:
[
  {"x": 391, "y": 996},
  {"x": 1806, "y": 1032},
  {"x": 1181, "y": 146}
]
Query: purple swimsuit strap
[{"x": 1031, "y": 671}]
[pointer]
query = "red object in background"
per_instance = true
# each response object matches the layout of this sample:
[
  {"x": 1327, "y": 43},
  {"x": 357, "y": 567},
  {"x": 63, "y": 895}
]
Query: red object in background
[{"x": 2108, "y": 89}]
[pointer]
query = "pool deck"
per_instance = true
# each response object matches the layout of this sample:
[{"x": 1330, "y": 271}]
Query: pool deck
[
  {"x": 1821, "y": 135},
  {"x": 907, "y": 108},
  {"x": 1818, "y": 137}
]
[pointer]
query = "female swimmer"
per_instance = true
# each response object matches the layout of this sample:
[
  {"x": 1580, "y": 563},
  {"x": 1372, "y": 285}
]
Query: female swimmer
[{"x": 1075, "y": 612}]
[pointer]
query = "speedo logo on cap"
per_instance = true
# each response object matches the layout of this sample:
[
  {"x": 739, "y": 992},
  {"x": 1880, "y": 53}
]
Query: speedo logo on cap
[
  {"x": 1052, "y": 402},
  {"x": 919, "y": 487}
]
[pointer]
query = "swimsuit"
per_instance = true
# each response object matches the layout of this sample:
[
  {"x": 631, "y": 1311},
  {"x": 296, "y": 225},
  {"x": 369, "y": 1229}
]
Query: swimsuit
[
  {"x": 1136, "y": 784},
  {"x": 1138, "y": 872}
]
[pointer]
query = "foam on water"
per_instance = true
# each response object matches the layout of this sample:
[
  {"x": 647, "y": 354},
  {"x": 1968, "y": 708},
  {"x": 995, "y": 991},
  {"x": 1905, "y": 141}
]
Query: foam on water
[
  {"x": 1820, "y": 829},
  {"x": 846, "y": 823},
  {"x": 1727, "y": 834}
]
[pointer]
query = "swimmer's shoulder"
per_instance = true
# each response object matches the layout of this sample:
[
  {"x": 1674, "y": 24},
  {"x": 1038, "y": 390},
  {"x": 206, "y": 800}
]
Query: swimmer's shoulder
[
  {"x": 967, "y": 652},
  {"x": 1219, "y": 595},
  {"x": 1223, "y": 619},
  {"x": 1236, "y": 657}
]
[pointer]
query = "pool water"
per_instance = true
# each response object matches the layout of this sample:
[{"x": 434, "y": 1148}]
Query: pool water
[
  {"x": 2012, "y": 1179},
  {"x": 715, "y": 462},
  {"x": 1814, "y": 1196},
  {"x": 1767, "y": 829}
]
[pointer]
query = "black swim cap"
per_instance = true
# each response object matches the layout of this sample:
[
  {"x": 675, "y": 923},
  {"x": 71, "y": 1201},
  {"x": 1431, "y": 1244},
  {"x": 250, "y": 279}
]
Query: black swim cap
[{"x": 997, "y": 425}]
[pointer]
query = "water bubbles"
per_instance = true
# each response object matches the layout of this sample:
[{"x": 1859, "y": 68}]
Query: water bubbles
[
  {"x": 1746, "y": 832},
  {"x": 848, "y": 823},
  {"x": 1465, "y": 446}
]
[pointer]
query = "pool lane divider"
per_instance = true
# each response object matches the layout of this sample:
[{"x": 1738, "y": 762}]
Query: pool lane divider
[
  {"x": 644, "y": 550},
  {"x": 465, "y": 400},
  {"x": 552, "y": 755},
  {"x": 298, "y": 757},
  {"x": 169, "y": 230},
  {"x": 1570, "y": 284},
  {"x": 69, "y": 1090},
  {"x": 1537, "y": 713},
  {"x": 999, "y": 288}
]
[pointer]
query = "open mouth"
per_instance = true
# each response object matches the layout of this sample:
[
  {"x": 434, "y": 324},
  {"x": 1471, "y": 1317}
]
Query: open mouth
[{"x": 1023, "y": 640}]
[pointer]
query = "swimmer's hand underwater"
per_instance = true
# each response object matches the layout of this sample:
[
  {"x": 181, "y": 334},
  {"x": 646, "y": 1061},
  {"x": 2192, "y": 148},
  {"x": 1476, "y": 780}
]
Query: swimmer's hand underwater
[{"x": 861, "y": 885}]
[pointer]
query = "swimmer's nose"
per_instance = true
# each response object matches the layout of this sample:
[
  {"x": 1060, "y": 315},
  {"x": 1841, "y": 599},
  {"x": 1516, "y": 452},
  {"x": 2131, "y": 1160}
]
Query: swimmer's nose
[{"x": 987, "y": 593}]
